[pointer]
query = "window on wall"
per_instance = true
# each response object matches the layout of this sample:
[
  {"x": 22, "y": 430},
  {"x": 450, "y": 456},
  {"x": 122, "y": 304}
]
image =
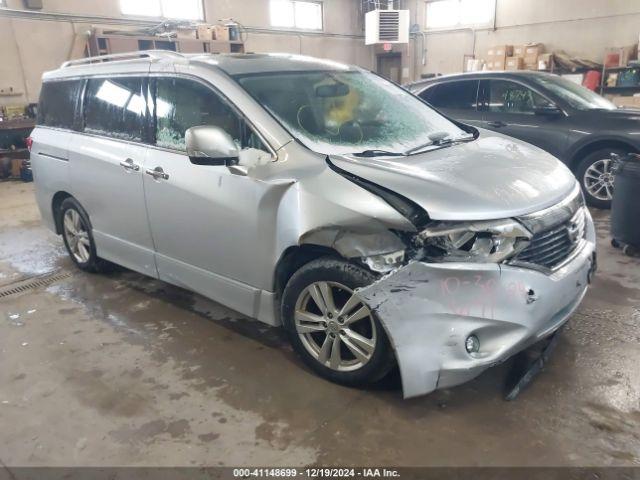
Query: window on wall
[
  {"x": 179, "y": 9},
  {"x": 296, "y": 14},
  {"x": 451, "y": 14}
]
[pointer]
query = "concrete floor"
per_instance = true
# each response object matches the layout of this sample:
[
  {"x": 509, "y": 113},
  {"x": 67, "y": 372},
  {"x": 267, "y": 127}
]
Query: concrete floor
[{"x": 120, "y": 369}]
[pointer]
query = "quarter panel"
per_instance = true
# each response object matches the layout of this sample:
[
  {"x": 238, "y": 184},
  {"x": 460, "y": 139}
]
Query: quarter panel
[{"x": 50, "y": 166}]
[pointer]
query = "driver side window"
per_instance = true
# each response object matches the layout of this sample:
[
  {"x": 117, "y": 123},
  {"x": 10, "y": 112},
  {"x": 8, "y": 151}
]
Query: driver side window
[
  {"x": 511, "y": 97},
  {"x": 182, "y": 104}
]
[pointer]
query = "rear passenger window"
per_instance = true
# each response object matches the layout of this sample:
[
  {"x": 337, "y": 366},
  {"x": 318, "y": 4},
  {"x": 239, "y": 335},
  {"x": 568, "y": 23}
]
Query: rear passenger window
[
  {"x": 182, "y": 104},
  {"x": 58, "y": 102},
  {"x": 115, "y": 107},
  {"x": 453, "y": 95}
]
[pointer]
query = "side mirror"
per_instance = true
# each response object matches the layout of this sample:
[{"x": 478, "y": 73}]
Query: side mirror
[
  {"x": 548, "y": 110},
  {"x": 209, "y": 145}
]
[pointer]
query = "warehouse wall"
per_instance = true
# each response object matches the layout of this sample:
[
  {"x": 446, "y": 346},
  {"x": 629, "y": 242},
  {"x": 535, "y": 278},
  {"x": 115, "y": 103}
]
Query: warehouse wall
[
  {"x": 29, "y": 47},
  {"x": 582, "y": 28}
]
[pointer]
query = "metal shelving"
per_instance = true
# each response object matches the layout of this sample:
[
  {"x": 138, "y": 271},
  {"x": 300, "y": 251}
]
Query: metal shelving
[
  {"x": 617, "y": 89},
  {"x": 102, "y": 43}
]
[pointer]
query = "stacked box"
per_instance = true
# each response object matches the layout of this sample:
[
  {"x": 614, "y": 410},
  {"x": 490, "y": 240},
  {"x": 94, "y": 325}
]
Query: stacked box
[
  {"x": 497, "y": 57},
  {"x": 531, "y": 53},
  {"x": 518, "y": 50},
  {"x": 514, "y": 63}
]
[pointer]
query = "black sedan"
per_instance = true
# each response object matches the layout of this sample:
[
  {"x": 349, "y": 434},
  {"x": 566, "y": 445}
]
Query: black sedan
[{"x": 569, "y": 121}]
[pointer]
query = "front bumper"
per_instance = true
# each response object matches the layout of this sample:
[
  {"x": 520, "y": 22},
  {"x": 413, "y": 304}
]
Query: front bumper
[{"x": 429, "y": 309}]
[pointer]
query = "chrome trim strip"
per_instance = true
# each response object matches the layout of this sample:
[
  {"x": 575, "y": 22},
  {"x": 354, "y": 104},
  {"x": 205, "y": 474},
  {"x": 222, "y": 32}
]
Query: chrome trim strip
[{"x": 554, "y": 215}]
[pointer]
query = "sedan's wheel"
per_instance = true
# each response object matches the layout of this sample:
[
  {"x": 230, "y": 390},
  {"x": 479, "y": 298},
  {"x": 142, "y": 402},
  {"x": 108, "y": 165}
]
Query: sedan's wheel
[
  {"x": 596, "y": 176},
  {"x": 335, "y": 327},
  {"x": 76, "y": 233},
  {"x": 598, "y": 179},
  {"x": 331, "y": 328}
]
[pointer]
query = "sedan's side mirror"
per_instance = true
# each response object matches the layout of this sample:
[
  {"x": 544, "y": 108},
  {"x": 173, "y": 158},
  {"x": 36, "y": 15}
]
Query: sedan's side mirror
[
  {"x": 210, "y": 145},
  {"x": 548, "y": 110}
]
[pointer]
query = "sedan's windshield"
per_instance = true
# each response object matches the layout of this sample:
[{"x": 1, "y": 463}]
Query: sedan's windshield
[
  {"x": 575, "y": 95},
  {"x": 348, "y": 112}
]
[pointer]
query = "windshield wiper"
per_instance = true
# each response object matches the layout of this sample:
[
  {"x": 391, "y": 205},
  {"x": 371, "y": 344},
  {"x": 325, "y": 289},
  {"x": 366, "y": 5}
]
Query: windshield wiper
[
  {"x": 440, "y": 139},
  {"x": 377, "y": 153}
]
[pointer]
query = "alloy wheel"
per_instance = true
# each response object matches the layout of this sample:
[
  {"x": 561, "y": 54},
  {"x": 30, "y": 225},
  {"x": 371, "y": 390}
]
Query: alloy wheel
[
  {"x": 598, "y": 179},
  {"x": 77, "y": 236},
  {"x": 335, "y": 326}
]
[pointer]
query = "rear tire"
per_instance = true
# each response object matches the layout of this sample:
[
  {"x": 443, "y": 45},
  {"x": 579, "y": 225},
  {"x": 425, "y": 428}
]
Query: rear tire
[
  {"x": 78, "y": 237},
  {"x": 595, "y": 176},
  {"x": 331, "y": 329}
]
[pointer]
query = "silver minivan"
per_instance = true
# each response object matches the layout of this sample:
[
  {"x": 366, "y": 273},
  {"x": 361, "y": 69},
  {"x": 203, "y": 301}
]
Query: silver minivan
[{"x": 317, "y": 196}]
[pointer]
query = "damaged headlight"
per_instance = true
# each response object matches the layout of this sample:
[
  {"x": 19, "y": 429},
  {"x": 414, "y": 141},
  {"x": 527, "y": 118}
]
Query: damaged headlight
[
  {"x": 386, "y": 262},
  {"x": 485, "y": 241}
]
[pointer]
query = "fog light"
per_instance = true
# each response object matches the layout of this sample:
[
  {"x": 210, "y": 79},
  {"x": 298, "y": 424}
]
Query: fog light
[{"x": 472, "y": 344}]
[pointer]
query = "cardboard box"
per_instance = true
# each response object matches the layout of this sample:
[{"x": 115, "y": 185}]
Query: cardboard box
[
  {"x": 497, "y": 56},
  {"x": 518, "y": 50},
  {"x": 16, "y": 165},
  {"x": 499, "y": 52},
  {"x": 221, "y": 32},
  {"x": 533, "y": 49},
  {"x": 496, "y": 65},
  {"x": 204, "y": 32},
  {"x": 514, "y": 63},
  {"x": 531, "y": 53}
]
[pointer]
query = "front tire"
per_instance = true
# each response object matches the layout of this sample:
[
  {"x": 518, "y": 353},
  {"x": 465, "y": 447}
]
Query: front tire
[
  {"x": 78, "y": 237},
  {"x": 330, "y": 328},
  {"x": 596, "y": 178}
]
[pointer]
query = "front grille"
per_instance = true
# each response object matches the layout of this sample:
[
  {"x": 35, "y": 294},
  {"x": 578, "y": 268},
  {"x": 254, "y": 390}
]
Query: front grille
[{"x": 550, "y": 247}]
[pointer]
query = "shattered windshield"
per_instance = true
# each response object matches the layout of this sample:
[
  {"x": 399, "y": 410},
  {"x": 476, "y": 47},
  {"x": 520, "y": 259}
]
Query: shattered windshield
[{"x": 348, "y": 112}]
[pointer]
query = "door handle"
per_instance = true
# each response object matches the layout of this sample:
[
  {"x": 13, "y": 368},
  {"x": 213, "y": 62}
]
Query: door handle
[
  {"x": 157, "y": 173},
  {"x": 497, "y": 124},
  {"x": 129, "y": 165}
]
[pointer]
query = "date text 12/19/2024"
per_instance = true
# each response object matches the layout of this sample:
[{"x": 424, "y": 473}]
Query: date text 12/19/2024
[{"x": 315, "y": 473}]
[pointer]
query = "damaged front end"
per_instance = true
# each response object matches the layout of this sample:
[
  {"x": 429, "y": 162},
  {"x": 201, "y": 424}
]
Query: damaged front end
[{"x": 455, "y": 300}]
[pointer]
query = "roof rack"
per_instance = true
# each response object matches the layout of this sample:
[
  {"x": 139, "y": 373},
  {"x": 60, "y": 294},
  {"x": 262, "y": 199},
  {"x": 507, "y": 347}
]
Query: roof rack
[{"x": 120, "y": 57}]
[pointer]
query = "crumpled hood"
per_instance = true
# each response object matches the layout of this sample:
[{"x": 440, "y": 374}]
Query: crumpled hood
[{"x": 492, "y": 177}]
